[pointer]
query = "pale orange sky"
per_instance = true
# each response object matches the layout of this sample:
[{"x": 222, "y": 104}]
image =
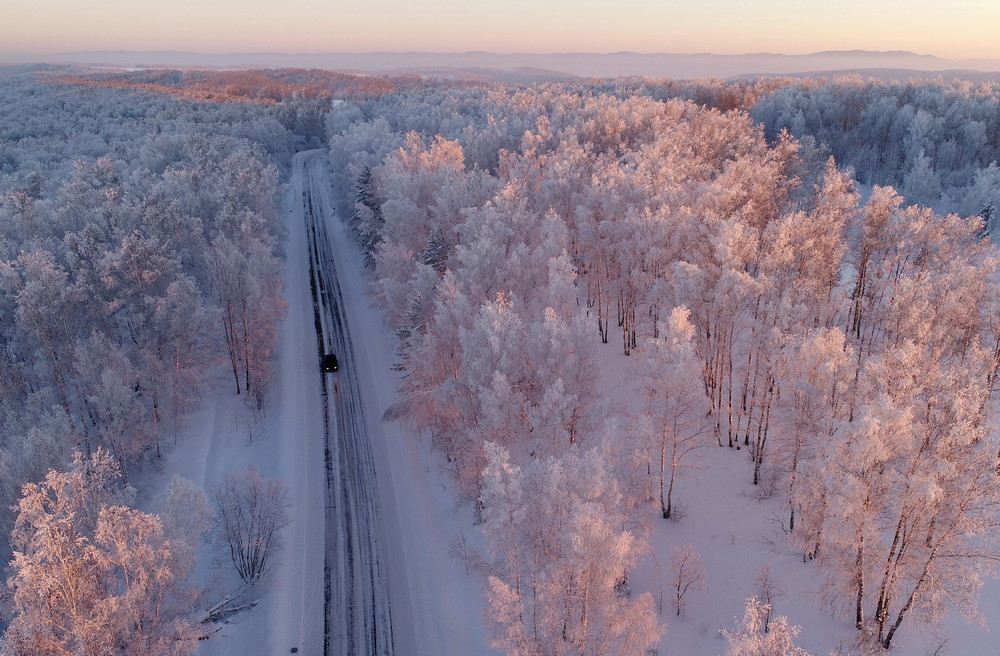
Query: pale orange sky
[{"x": 958, "y": 29}]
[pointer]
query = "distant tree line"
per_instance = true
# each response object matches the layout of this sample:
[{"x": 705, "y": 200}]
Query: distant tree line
[{"x": 937, "y": 143}]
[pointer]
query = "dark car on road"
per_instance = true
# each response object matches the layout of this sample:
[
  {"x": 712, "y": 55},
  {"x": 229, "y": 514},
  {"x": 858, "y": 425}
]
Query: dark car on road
[{"x": 330, "y": 362}]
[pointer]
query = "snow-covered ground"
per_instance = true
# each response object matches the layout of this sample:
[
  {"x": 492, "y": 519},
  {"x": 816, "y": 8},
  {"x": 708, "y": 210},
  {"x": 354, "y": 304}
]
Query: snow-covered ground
[{"x": 736, "y": 530}]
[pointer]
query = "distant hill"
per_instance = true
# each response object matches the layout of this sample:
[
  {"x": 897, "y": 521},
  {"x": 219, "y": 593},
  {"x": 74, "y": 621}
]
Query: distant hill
[
  {"x": 903, "y": 75},
  {"x": 535, "y": 67}
]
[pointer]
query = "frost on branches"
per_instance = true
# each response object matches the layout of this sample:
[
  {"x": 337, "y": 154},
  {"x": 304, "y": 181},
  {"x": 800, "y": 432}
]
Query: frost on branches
[
  {"x": 752, "y": 637},
  {"x": 560, "y": 561},
  {"x": 91, "y": 575},
  {"x": 250, "y": 513}
]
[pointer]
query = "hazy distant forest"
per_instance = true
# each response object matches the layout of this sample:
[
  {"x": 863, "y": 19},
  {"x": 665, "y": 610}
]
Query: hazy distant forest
[{"x": 798, "y": 269}]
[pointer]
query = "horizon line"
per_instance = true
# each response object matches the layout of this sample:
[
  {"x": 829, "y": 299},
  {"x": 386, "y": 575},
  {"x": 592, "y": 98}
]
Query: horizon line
[{"x": 851, "y": 51}]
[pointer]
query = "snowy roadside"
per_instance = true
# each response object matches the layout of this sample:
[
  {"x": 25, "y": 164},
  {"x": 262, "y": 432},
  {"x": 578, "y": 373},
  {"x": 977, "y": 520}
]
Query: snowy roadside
[
  {"x": 223, "y": 436},
  {"x": 436, "y": 606}
]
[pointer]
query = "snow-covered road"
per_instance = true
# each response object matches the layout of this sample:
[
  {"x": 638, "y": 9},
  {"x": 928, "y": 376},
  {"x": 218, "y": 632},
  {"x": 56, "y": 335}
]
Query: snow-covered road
[
  {"x": 435, "y": 603},
  {"x": 358, "y": 618}
]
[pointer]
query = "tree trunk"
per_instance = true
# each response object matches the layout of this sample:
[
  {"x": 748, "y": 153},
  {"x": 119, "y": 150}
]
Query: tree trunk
[
  {"x": 909, "y": 603},
  {"x": 673, "y": 475},
  {"x": 791, "y": 483},
  {"x": 664, "y": 506},
  {"x": 729, "y": 377},
  {"x": 230, "y": 331},
  {"x": 761, "y": 442},
  {"x": 156, "y": 424},
  {"x": 177, "y": 373},
  {"x": 859, "y": 566},
  {"x": 602, "y": 322},
  {"x": 246, "y": 347},
  {"x": 888, "y": 578}
]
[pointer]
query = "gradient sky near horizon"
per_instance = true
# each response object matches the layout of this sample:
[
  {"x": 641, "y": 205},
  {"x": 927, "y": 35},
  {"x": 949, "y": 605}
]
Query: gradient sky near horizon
[{"x": 953, "y": 30}]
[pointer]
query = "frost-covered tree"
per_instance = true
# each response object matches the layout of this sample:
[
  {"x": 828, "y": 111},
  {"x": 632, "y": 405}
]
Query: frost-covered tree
[
  {"x": 689, "y": 575},
  {"x": 184, "y": 324},
  {"x": 560, "y": 558},
  {"x": 367, "y": 218},
  {"x": 247, "y": 280},
  {"x": 668, "y": 375},
  {"x": 46, "y": 309},
  {"x": 750, "y": 638},
  {"x": 91, "y": 575},
  {"x": 186, "y": 517},
  {"x": 981, "y": 192},
  {"x": 815, "y": 376},
  {"x": 921, "y": 184}
]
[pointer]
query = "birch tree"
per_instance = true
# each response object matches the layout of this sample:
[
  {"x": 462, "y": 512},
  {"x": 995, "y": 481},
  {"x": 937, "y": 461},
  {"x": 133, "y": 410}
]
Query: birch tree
[
  {"x": 750, "y": 638},
  {"x": 668, "y": 375},
  {"x": 91, "y": 575},
  {"x": 560, "y": 559}
]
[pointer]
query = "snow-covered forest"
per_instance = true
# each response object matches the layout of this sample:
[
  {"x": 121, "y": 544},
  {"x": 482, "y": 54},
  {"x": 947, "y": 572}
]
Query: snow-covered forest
[
  {"x": 936, "y": 142},
  {"x": 845, "y": 350},
  {"x": 629, "y": 317},
  {"x": 139, "y": 240},
  {"x": 140, "y": 246}
]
